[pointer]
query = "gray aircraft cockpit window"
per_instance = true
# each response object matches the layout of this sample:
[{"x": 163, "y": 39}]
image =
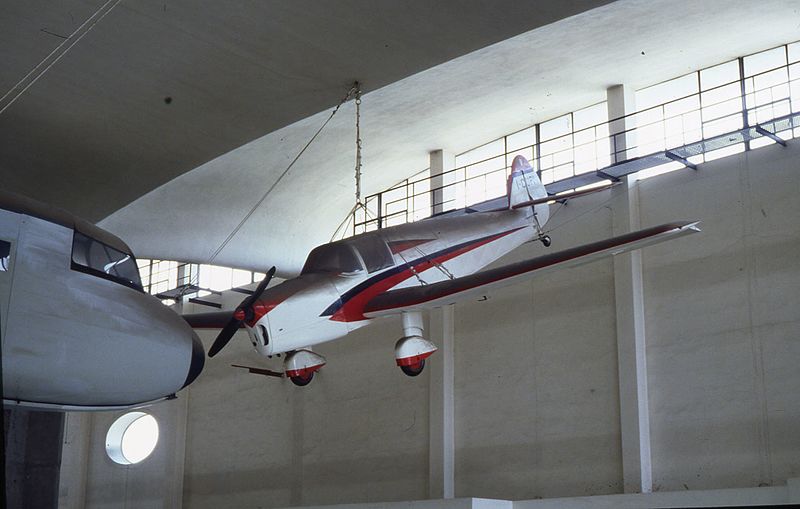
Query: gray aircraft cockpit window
[
  {"x": 5, "y": 256},
  {"x": 373, "y": 251},
  {"x": 94, "y": 257},
  {"x": 336, "y": 258}
]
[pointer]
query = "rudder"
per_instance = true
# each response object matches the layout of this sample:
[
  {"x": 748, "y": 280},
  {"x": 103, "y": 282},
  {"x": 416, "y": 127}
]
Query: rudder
[{"x": 523, "y": 183}]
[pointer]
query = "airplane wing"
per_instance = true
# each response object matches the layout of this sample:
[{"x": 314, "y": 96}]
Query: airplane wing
[
  {"x": 476, "y": 285},
  {"x": 213, "y": 320}
]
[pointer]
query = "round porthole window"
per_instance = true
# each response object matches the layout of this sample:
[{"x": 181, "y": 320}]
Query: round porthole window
[{"x": 132, "y": 438}]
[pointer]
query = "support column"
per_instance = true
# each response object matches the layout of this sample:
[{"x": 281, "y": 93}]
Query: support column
[
  {"x": 181, "y": 411},
  {"x": 33, "y": 457},
  {"x": 74, "y": 460},
  {"x": 442, "y": 418},
  {"x": 441, "y": 162},
  {"x": 621, "y": 101},
  {"x": 629, "y": 297}
]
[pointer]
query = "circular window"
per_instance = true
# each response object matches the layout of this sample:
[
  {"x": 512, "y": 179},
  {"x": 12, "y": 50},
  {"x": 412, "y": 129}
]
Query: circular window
[{"x": 132, "y": 438}]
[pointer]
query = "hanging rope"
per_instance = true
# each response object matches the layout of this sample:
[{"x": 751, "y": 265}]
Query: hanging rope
[{"x": 357, "y": 86}]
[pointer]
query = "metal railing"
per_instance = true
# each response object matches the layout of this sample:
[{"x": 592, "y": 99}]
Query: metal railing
[{"x": 736, "y": 115}]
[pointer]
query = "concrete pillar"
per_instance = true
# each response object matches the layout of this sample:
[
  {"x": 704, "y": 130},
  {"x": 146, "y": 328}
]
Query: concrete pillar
[
  {"x": 175, "y": 486},
  {"x": 74, "y": 460},
  {"x": 631, "y": 351},
  {"x": 442, "y": 416},
  {"x": 32, "y": 457},
  {"x": 621, "y": 101},
  {"x": 441, "y": 162},
  {"x": 629, "y": 297}
]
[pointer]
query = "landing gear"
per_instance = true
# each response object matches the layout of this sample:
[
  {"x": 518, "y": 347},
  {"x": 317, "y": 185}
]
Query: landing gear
[
  {"x": 541, "y": 236},
  {"x": 411, "y": 350},
  {"x": 302, "y": 380},
  {"x": 301, "y": 365},
  {"x": 414, "y": 369}
]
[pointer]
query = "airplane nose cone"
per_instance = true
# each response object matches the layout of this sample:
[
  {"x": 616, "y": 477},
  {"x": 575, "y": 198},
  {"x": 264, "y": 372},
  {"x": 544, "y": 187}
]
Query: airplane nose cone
[{"x": 198, "y": 360}]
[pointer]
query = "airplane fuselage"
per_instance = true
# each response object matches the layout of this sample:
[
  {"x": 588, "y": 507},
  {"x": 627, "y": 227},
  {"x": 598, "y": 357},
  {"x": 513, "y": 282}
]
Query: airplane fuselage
[
  {"x": 78, "y": 331},
  {"x": 327, "y": 300}
]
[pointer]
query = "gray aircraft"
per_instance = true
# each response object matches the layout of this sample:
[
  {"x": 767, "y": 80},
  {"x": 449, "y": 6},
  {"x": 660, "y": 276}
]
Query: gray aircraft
[{"x": 78, "y": 331}]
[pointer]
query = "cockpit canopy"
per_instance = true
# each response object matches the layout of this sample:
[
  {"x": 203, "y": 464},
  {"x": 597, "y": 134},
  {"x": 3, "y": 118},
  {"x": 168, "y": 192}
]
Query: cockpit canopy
[
  {"x": 351, "y": 256},
  {"x": 99, "y": 259}
]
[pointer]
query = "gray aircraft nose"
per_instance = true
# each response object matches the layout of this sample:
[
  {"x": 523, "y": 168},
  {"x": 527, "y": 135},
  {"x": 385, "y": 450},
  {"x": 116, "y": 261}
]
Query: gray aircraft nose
[{"x": 198, "y": 360}]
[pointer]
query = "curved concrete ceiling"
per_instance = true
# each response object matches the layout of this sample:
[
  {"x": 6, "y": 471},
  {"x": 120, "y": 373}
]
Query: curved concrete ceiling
[
  {"x": 455, "y": 105},
  {"x": 155, "y": 89}
]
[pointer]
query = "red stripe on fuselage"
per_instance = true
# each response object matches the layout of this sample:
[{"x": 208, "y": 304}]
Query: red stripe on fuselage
[
  {"x": 353, "y": 309},
  {"x": 398, "y": 246}
]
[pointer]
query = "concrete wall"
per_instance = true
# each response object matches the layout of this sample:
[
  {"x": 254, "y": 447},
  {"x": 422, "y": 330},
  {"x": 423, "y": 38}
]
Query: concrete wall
[
  {"x": 90, "y": 479},
  {"x": 536, "y": 379}
]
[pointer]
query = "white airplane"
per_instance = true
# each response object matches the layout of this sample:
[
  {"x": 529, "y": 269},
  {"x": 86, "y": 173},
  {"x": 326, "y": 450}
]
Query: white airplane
[
  {"x": 405, "y": 270},
  {"x": 78, "y": 332}
]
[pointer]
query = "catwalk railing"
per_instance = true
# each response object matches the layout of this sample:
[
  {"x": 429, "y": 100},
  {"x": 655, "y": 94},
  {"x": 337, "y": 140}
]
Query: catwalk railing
[{"x": 722, "y": 116}]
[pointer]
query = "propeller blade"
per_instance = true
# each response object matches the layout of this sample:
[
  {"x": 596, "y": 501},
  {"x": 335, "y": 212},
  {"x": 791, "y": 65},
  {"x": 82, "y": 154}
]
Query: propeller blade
[
  {"x": 224, "y": 336},
  {"x": 251, "y": 299},
  {"x": 243, "y": 310}
]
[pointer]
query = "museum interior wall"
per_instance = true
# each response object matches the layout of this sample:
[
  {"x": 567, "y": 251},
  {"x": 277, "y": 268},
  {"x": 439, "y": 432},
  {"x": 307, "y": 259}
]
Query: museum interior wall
[{"x": 537, "y": 400}]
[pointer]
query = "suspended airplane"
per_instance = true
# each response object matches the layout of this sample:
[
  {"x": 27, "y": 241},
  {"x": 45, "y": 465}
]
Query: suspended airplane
[
  {"x": 78, "y": 332},
  {"x": 404, "y": 270}
]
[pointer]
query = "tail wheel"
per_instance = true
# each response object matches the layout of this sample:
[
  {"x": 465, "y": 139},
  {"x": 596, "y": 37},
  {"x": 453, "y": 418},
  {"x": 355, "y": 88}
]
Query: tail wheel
[
  {"x": 414, "y": 369},
  {"x": 302, "y": 380},
  {"x": 546, "y": 241}
]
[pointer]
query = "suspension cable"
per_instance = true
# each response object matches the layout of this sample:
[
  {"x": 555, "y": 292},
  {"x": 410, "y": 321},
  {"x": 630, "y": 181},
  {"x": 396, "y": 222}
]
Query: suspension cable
[
  {"x": 357, "y": 86},
  {"x": 196, "y": 277},
  {"x": 353, "y": 89}
]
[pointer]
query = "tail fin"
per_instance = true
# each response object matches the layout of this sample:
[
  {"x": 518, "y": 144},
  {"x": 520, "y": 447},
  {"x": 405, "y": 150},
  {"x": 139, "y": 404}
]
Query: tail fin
[{"x": 523, "y": 183}]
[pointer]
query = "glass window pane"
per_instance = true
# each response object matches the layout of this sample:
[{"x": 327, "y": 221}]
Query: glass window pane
[
  {"x": 556, "y": 127},
  {"x": 794, "y": 52},
  {"x": 719, "y": 75},
  {"x": 489, "y": 150},
  {"x": 764, "y": 61},
  {"x": 94, "y": 257},
  {"x": 591, "y": 116},
  {"x": 722, "y": 95},
  {"x": 374, "y": 252},
  {"x": 336, "y": 258},
  {"x": 241, "y": 278},
  {"x": 666, "y": 91},
  {"x": 521, "y": 139}
]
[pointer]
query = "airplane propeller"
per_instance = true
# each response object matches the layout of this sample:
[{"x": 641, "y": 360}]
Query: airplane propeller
[{"x": 243, "y": 313}]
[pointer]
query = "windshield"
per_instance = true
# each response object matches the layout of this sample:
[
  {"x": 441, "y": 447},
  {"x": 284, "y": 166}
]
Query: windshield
[
  {"x": 373, "y": 251},
  {"x": 94, "y": 257},
  {"x": 333, "y": 258}
]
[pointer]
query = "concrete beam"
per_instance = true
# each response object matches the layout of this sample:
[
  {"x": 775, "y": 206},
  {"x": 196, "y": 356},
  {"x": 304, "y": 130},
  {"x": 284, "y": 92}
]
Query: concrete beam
[{"x": 442, "y": 415}]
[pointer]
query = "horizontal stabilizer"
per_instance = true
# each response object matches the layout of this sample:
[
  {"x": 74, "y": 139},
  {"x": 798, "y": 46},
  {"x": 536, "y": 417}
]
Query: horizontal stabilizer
[
  {"x": 476, "y": 285},
  {"x": 212, "y": 320},
  {"x": 563, "y": 196}
]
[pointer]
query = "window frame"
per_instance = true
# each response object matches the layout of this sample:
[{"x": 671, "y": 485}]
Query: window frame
[
  {"x": 85, "y": 269},
  {"x": 335, "y": 245}
]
